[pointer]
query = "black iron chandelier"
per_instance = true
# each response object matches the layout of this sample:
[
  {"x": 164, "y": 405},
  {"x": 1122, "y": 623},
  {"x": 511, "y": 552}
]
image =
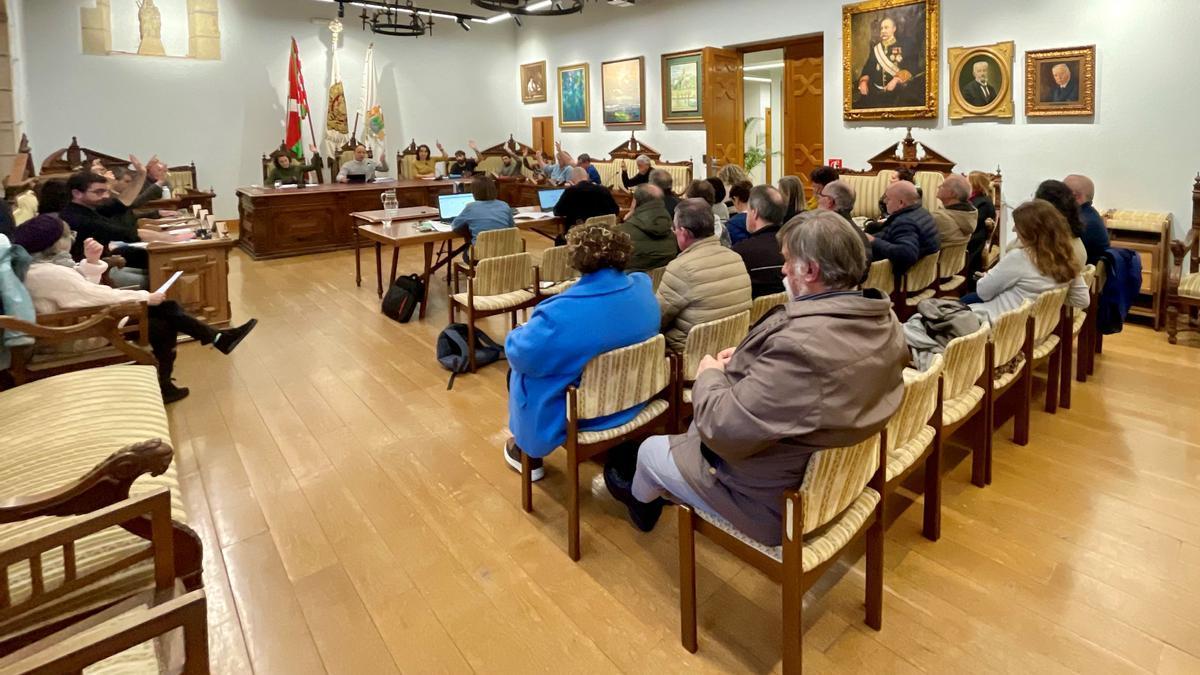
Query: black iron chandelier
[
  {"x": 402, "y": 18},
  {"x": 531, "y": 7},
  {"x": 399, "y": 20}
]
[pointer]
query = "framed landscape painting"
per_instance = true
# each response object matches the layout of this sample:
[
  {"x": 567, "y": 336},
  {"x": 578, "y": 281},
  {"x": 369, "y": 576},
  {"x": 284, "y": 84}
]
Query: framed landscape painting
[
  {"x": 623, "y": 91},
  {"x": 890, "y": 59},
  {"x": 981, "y": 81},
  {"x": 573, "y": 97},
  {"x": 683, "y": 87},
  {"x": 1060, "y": 82},
  {"x": 533, "y": 82}
]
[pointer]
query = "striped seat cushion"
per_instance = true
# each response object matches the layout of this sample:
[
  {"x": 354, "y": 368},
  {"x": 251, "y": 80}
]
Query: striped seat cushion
[
  {"x": 819, "y": 548},
  {"x": 652, "y": 410},
  {"x": 687, "y": 395},
  {"x": 559, "y": 287},
  {"x": 53, "y": 432},
  {"x": 491, "y": 303},
  {"x": 1009, "y": 372},
  {"x": 913, "y": 300},
  {"x": 959, "y": 407},
  {"x": 951, "y": 283},
  {"x": 1077, "y": 325},
  {"x": 1043, "y": 349},
  {"x": 1189, "y": 286},
  {"x": 902, "y": 457}
]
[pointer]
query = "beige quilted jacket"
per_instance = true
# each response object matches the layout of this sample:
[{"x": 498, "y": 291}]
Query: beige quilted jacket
[{"x": 704, "y": 283}]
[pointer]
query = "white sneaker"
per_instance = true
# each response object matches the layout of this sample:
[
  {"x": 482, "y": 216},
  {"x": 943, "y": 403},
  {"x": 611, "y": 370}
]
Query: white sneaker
[{"x": 512, "y": 457}]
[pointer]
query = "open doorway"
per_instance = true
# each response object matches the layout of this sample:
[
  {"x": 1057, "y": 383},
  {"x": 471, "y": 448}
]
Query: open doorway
[{"x": 784, "y": 100}]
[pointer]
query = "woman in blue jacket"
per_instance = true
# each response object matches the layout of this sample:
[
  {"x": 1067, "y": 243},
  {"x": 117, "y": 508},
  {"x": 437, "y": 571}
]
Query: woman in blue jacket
[{"x": 605, "y": 310}]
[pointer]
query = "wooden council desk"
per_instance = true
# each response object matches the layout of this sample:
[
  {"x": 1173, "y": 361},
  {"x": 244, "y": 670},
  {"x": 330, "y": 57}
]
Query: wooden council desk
[
  {"x": 203, "y": 290},
  {"x": 281, "y": 222}
]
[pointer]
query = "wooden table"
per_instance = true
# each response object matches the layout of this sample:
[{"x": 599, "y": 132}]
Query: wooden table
[
  {"x": 384, "y": 235},
  {"x": 203, "y": 290},
  {"x": 280, "y": 222}
]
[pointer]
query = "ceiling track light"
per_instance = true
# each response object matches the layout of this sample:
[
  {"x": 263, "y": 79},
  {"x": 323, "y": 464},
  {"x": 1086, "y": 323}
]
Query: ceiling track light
[{"x": 531, "y": 8}]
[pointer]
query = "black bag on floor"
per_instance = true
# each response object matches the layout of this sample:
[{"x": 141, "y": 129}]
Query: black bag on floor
[
  {"x": 402, "y": 298},
  {"x": 452, "y": 350}
]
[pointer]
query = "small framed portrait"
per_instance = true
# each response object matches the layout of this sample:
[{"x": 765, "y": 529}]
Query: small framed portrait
[
  {"x": 1060, "y": 82},
  {"x": 683, "y": 87},
  {"x": 574, "y": 99},
  {"x": 981, "y": 81},
  {"x": 890, "y": 59},
  {"x": 623, "y": 91},
  {"x": 533, "y": 82}
]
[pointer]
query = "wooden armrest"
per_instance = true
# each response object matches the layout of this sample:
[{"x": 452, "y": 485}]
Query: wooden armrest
[
  {"x": 105, "y": 484},
  {"x": 75, "y": 650},
  {"x": 1179, "y": 251},
  {"x": 97, "y": 322}
]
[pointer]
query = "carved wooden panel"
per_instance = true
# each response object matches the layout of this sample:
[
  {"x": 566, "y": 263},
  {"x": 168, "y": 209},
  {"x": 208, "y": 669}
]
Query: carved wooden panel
[
  {"x": 203, "y": 288},
  {"x": 804, "y": 104},
  {"x": 723, "y": 106}
]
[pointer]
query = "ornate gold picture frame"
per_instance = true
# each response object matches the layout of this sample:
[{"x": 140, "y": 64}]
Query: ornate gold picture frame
[
  {"x": 1060, "y": 82},
  {"x": 533, "y": 82},
  {"x": 574, "y": 97},
  {"x": 890, "y": 59},
  {"x": 981, "y": 81}
]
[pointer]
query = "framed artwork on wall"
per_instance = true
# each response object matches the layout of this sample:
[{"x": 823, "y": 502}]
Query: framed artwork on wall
[
  {"x": 573, "y": 97},
  {"x": 623, "y": 92},
  {"x": 890, "y": 59},
  {"x": 533, "y": 82},
  {"x": 981, "y": 81},
  {"x": 1060, "y": 82},
  {"x": 683, "y": 87}
]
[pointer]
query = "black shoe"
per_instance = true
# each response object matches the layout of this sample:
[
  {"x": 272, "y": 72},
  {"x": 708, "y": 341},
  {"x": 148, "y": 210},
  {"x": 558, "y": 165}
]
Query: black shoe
[
  {"x": 229, "y": 338},
  {"x": 643, "y": 516},
  {"x": 512, "y": 456},
  {"x": 171, "y": 393}
]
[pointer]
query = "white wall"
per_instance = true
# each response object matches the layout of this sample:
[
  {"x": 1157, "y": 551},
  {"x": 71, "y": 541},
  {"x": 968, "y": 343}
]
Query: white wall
[
  {"x": 224, "y": 114},
  {"x": 1141, "y": 148}
]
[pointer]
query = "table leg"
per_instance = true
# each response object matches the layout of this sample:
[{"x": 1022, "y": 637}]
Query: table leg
[
  {"x": 395, "y": 257},
  {"x": 357, "y": 258},
  {"x": 379, "y": 269},
  {"x": 426, "y": 275}
]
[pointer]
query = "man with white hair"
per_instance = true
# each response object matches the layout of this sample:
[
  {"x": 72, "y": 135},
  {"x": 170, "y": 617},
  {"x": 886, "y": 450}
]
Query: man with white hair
[
  {"x": 1095, "y": 232},
  {"x": 558, "y": 173},
  {"x": 824, "y": 370},
  {"x": 1066, "y": 88},
  {"x": 979, "y": 92},
  {"x": 641, "y": 177},
  {"x": 909, "y": 234},
  {"x": 584, "y": 199},
  {"x": 956, "y": 220}
]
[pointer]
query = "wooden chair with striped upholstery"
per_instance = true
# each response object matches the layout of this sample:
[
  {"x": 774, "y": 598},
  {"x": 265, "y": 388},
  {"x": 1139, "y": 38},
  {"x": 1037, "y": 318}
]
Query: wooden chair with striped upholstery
[
  {"x": 491, "y": 244},
  {"x": 839, "y": 500},
  {"x": 1010, "y": 377},
  {"x": 607, "y": 221},
  {"x": 915, "y": 285},
  {"x": 915, "y": 440},
  {"x": 951, "y": 263},
  {"x": 611, "y": 382},
  {"x": 964, "y": 394},
  {"x": 764, "y": 304},
  {"x": 1049, "y": 326},
  {"x": 1081, "y": 322},
  {"x": 656, "y": 277},
  {"x": 881, "y": 278},
  {"x": 557, "y": 275},
  {"x": 705, "y": 339},
  {"x": 500, "y": 285}
]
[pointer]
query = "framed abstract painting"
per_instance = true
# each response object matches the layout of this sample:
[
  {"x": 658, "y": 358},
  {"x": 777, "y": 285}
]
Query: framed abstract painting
[
  {"x": 574, "y": 101},
  {"x": 623, "y": 91}
]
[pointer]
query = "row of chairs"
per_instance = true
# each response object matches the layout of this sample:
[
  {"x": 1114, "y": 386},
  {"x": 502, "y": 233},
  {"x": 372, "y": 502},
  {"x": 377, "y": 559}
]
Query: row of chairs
[
  {"x": 977, "y": 383},
  {"x": 936, "y": 275}
]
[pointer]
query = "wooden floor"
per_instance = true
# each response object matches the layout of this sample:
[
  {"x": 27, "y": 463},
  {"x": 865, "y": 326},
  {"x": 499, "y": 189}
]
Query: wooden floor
[{"x": 358, "y": 518}]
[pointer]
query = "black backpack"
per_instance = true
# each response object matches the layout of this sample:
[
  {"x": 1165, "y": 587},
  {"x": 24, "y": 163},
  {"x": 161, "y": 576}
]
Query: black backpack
[
  {"x": 452, "y": 350},
  {"x": 402, "y": 298}
]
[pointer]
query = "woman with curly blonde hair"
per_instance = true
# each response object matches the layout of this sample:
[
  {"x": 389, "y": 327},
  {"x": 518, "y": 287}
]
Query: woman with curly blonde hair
[
  {"x": 604, "y": 310},
  {"x": 1043, "y": 260}
]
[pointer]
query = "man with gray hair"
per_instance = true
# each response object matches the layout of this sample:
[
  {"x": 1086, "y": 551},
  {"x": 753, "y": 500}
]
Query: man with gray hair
[
  {"x": 705, "y": 282},
  {"x": 760, "y": 251},
  {"x": 641, "y": 177},
  {"x": 825, "y": 370},
  {"x": 956, "y": 220},
  {"x": 838, "y": 197},
  {"x": 663, "y": 180}
]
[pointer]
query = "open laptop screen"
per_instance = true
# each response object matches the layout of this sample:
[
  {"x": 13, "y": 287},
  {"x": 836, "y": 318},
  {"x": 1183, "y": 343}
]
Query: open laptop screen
[
  {"x": 449, "y": 206},
  {"x": 547, "y": 199}
]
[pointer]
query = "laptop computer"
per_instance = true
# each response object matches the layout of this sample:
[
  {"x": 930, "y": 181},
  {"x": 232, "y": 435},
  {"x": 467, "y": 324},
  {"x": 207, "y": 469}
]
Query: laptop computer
[
  {"x": 547, "y": 199},
  {"x": 449, "y": 206},
  {"x": 356, "y": 178}
]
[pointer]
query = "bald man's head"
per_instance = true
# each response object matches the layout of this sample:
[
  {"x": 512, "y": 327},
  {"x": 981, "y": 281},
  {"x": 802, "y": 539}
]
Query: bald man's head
[
  {"x": 579, "y": 175},
  {"x": 900, "y": 195},
  {"x": 955, "y": 189},
  {"x": 1082, "y": 186}
]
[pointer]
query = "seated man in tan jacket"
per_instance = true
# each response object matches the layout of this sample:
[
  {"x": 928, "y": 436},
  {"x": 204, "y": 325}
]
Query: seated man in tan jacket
[
  {"x": 956, "y": 220},
  {"x": 705, "y": 282},
  {"x": 825, "y": 370}
]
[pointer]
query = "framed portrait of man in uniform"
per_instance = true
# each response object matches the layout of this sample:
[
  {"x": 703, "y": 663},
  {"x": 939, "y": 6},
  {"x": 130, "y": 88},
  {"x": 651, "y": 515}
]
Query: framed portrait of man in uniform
[
  {"x": 890, "y": 59},
  {"x": 1060, "y": 82},
  {"x": 981, "y": 81}
]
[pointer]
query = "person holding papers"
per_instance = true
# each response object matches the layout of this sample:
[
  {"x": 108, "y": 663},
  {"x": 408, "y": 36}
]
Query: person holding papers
[
  {"x": 361, "y": 165},
  {"x": 55, "y": 287},
  {"x": 486, "y": 212}
]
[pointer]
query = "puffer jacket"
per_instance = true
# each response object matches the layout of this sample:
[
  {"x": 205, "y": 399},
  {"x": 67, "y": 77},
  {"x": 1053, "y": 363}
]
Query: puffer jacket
[
  {"x": 649, "y": 226},
  {"x": 705, "y": 283},
  {"x": 910, "y": 234}
]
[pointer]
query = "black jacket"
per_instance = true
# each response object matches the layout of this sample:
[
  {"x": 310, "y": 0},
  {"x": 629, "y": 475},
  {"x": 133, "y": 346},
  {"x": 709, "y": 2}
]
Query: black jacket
[
  {"x": 910, "y": 235},
  {"x": 764, "y": 261},
  {"x": 1095, "y": 232},
  {"x": 585, "y": 200}
]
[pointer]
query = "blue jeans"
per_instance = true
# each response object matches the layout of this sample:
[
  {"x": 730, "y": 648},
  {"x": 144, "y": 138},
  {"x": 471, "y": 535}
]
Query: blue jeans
[{"x": 971, "y": 299}]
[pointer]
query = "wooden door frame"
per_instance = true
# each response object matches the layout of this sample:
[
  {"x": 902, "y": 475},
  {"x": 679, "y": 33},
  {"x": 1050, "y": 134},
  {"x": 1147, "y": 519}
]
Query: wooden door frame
[{"x": 549, "y": 120}]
